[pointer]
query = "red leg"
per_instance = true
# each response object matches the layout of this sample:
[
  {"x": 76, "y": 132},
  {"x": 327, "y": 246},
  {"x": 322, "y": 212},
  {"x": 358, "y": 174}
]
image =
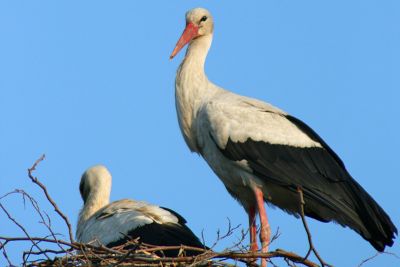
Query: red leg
[
  {"x": 265, "y": 232},
  {"x": 253, "y": 229}
]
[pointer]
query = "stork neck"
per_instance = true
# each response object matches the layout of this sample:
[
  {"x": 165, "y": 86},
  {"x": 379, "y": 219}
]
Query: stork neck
[
  {"x": 95, "y": 201},
  {"x": 192, "y": 87},
  {"x": 196, "y": 55}
]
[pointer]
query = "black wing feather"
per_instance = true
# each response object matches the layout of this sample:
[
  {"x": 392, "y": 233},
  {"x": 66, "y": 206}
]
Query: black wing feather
[
  {"x": 314, "y": 136},
  {"x": 329, "y": 190},
  {"x": 166, "y": 234}
]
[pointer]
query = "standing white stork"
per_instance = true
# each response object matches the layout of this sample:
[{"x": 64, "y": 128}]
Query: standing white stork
[
  {"x": 261, "y": 153},
  {"x": 113, "y": 224}
]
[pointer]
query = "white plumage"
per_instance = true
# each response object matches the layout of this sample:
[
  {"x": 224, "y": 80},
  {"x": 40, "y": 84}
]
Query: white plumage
[
  {"x": 228, "y": 115},
  {"x": 114, "y": 222},
  {"x": 101, "y": 222}
]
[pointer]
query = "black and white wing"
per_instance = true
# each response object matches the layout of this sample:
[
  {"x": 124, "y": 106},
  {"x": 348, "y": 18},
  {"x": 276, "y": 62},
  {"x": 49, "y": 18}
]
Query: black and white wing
[
  {"x": 285, "y": 154},
  {"x": 122, "y": 220}
]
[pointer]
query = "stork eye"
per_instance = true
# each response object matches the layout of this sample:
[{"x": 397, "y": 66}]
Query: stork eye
[{"x": 204, "y": 18}]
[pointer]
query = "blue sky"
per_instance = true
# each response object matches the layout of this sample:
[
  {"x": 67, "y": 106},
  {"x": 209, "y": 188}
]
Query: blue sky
[{"x": 91, "y": 82}]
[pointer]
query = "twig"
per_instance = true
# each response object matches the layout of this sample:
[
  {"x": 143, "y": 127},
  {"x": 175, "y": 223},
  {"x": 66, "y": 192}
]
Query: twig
[
  {"x": 22, "y": 228},
  {"x": 309, "y": 237},
  {"x": 279, "y": 253},
  {"x": 2, "y": 247},
  {"x": 47, "y": 224},
  {"x": 275, "y": 236},
  {"x": 158, "y": 248},
  {"x": 9, "y": 193},
  {"x": 122, "y": 259},
  {"x": 376, "y": 255},
  {"x": 229, "y": 232},
  {"x": 36, "y": 181},
  {"x": 9, "y": 239}
]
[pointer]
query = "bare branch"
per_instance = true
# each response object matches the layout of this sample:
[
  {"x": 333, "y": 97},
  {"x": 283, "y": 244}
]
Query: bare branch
[
  {"x": 22, "y": 228},
  {"x": 2, "y": 247},
  {"x": 36, "y": 181},
  {"x": 229, "y": 231},
  {"x": 303, "y": 219},
  {"x": 43, "y": 221},
  {"x": 376, "y": 255}
]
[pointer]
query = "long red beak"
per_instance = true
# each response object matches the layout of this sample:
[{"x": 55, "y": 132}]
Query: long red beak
[{"x": 188, "y": 34}]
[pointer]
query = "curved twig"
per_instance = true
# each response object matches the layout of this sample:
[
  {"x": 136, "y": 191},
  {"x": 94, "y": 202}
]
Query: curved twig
[
  {"x": 23, "y": 230},
  {"x": 309, "y": 237},
  {"x": 36, "y": 181}
]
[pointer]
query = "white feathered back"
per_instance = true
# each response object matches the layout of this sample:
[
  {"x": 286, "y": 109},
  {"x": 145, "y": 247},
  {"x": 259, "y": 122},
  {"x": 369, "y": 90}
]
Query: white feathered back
[{"x": 103, "y": 223}]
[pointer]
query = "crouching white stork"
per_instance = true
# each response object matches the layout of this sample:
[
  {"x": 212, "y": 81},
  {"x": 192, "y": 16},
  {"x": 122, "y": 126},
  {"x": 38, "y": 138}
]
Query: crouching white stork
[
  {"x": 113, "y": 224},
  {"x": 263, "y": 154}
]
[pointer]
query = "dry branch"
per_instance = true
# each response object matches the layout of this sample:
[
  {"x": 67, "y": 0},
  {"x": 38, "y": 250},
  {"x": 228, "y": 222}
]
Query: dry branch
[
  {"x": 23, "y": 230},
  {"x": 309, "y": 237},
  {"x": 36, "y": 181}
]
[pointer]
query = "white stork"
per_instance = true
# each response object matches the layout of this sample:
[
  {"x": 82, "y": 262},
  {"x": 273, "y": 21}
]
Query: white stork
[
  {"x": 113, "y": 224},
  {"x": 261, "y": 153}
]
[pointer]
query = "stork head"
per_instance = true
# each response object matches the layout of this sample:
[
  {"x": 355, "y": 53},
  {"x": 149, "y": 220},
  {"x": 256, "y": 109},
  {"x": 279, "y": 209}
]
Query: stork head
[
  {"x": 199, "y": 22},
  {"x": 96, "y": 183}
]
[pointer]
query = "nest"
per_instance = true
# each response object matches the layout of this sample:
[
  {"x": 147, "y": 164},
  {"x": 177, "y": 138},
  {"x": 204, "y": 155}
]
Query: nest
[{"x": 51, "y": 250}]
